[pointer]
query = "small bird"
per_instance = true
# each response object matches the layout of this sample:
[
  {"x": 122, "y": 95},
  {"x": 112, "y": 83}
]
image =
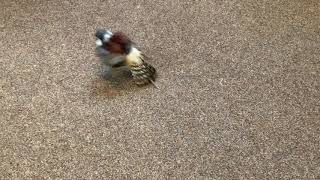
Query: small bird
[{"x": 117, "y": 50}]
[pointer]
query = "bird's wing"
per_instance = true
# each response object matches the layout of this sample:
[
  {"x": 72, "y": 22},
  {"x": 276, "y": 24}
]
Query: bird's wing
[
  {"x": 110, "y": 59},
  {"x": 143, "y": 73}
]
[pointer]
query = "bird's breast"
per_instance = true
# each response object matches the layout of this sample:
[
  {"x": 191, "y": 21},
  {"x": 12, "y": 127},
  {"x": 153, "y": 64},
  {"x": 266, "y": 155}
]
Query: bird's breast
[{"x": 134, "y": 57}]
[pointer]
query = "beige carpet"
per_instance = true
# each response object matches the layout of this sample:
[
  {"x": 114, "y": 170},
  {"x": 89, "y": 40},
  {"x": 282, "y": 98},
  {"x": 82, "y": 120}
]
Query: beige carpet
[{"x": 239, "y": 91}]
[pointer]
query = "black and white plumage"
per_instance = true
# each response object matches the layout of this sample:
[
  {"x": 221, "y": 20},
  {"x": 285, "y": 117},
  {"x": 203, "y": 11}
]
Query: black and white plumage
[{"x": 117, "y": 50}]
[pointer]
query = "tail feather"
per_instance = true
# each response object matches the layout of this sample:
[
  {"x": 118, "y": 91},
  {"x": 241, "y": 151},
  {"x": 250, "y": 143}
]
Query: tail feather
[{"x": 143, "y": 74}]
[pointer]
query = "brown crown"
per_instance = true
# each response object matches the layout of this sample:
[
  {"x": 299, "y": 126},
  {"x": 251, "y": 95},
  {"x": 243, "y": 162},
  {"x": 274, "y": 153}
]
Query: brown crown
[{"x": 118, "y": 43}]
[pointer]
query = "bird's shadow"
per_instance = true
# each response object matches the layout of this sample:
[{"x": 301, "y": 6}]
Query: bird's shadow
[{"x": 119, "y": 84}]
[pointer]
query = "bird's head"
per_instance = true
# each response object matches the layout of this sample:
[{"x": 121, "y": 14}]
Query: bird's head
[{"x": 117, "y": 43}]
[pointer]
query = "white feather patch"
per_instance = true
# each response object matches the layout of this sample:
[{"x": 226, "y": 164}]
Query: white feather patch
[
  {"x": 109, "y": 32},
  {"x": 98, "y": 42},
  {"x": 106, "y": 37}
]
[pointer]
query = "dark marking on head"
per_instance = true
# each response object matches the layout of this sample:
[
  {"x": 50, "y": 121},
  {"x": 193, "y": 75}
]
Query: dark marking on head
[{"x": 100, "y": 33}]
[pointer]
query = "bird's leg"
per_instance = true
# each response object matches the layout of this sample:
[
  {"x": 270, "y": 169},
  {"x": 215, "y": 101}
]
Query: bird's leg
[{"x": 105, "y": 71}]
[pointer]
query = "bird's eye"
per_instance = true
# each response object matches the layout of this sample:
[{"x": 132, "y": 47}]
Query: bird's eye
[{"x": 99, "y": 42}]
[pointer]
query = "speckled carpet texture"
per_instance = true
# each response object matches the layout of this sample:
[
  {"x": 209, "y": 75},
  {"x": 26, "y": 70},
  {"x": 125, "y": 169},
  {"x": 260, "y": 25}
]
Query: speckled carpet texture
[{"x": 238, "y": 93}]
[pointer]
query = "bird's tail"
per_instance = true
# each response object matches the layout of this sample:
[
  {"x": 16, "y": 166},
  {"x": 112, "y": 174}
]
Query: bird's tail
[{"x": 143, "y": 74}]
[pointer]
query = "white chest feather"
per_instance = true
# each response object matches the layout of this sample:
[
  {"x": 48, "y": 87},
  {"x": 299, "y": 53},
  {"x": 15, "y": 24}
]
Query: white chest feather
[{"x": 134, "y": 57}]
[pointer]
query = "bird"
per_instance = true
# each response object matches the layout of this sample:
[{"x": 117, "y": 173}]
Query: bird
[{"x": 118, "y": 50}]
